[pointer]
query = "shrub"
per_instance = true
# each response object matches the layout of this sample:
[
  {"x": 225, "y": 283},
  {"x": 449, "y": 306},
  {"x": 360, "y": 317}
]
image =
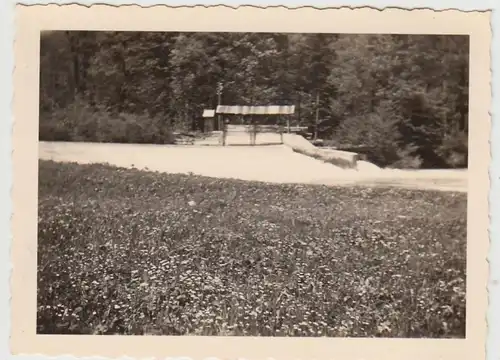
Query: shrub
[
  {"x": 81, "y": 122},
  {"x": 454, "y": 149},
  {"x": 381, "y": 136}
]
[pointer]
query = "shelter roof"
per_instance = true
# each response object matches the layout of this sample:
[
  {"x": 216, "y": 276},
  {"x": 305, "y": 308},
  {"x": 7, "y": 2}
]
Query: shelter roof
[
  {"x": 256, "y": 110},
  {"x": 208, "y": 113}
]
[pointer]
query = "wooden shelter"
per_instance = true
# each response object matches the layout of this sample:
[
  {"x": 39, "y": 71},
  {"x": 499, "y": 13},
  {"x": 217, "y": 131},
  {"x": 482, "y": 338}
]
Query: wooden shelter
[
  {"x": 208, "y": 120},
  {"x": 258, "y": 114},
  {"x": 256, "y": 118}
]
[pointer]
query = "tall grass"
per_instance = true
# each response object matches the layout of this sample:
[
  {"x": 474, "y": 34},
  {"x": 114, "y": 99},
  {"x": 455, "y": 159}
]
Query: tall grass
[{"x": 130, "y": 252}]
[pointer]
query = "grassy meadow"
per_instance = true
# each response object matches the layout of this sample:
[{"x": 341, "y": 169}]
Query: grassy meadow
[{"x": 132, "y": 252}]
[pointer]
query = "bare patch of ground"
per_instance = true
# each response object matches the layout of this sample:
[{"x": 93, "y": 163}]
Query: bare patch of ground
[{"x": 274, "y": 164}]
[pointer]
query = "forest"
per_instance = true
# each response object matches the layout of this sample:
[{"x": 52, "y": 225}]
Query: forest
[{"x": 403, "y": 97}]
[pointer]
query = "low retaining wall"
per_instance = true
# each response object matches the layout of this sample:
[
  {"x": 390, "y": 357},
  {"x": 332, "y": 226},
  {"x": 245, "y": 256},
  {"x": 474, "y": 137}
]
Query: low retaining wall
[{"x": 300, "y": 145}]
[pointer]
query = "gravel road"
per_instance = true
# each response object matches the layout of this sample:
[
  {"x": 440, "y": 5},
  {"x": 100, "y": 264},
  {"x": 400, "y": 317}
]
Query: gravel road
[{"x": 274, "y": 163}]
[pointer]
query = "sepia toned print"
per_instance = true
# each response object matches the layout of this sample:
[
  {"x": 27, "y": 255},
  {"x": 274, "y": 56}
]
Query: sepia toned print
[
  {"x": 125, "y": 251},
  {"x": 235, "y": 185}
]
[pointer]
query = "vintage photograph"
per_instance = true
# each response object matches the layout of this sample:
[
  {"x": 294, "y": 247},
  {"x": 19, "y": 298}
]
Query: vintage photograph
[{"x": 252, "y": 184}]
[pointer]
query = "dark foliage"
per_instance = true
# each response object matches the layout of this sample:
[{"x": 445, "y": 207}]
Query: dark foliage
[{"x": 403, "y": 96}]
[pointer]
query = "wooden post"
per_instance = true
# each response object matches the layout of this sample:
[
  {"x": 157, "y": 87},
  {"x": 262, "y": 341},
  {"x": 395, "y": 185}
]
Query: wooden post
[
  {"x": 250, "y": 128},
  {"x": 218, "y": 115},
  {"x": 220, "y": 125},
  {"x": 224, "y": 133},
  {"x": 254, "y": 129},
  {"x": 317, "y": 116},
  {"x": 280, "y": 124}
]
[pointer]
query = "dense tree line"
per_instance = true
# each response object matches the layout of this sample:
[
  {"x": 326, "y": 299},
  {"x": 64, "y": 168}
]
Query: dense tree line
[{"x": 405, "y": 97}]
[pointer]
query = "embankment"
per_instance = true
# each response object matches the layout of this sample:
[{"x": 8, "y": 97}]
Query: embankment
[{"x": 339, "y": 158}]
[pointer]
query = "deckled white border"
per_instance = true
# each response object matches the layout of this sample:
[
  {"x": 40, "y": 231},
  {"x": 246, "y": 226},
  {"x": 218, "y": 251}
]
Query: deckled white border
[
  {"x": 464, "y": 5},
  {"x": 7, "y": 63}
]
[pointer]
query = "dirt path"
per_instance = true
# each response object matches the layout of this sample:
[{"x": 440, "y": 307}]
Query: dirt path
[{"x": 276, "y": 164}]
